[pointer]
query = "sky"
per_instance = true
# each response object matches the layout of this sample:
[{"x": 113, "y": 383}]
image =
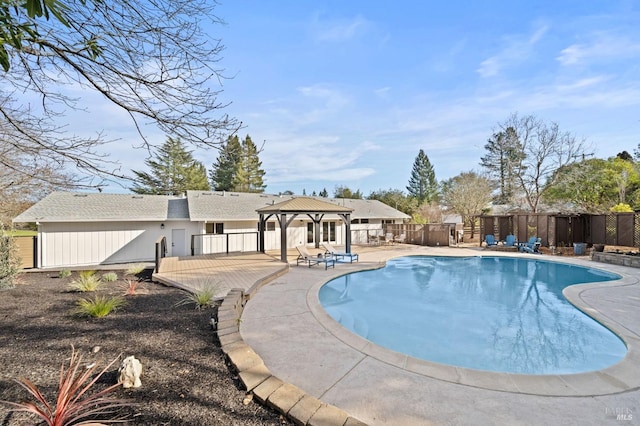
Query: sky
[{"x": 347, "y": 92}]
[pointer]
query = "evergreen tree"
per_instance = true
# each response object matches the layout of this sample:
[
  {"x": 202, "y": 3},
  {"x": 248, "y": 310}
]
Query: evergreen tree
[
  {"x": 346, "y": 192},
  {"x": 324, "y": 193},
  {"x": 504, "y": 154},
  {"x": 422, "y": 184},
  {"x": 249, "y": 173},
  {"x": 224, "y": 169},
  {"x": 173, "y": 171}
]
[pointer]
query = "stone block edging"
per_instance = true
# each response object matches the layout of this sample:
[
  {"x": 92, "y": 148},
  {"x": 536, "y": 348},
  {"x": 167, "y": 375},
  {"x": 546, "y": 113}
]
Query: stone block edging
[{"x": 299, "y": 407}]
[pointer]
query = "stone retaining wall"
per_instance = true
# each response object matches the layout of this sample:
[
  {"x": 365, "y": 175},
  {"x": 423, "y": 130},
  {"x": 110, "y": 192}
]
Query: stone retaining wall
[
  {"x": 293, "y": 402},
  {"x": 616, "y": 259}
]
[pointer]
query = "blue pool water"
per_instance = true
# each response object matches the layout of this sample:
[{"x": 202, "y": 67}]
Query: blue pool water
[{"x": 486, "y": 313}]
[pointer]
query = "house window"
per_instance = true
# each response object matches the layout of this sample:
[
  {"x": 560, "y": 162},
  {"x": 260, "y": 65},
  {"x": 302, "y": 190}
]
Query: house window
[
  {"x": 355, "y": 221},
  {"x": 310, "y": 232},
  {"x": 271, "y": 226},
  {"x": 215, "y": 228},
  {"x": 329, "y": 231},
  {"x": 364, "y": 220},
  {"x": 387, "y": 222}
]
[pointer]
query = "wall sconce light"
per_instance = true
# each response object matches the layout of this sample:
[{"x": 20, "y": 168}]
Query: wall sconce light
[{"x": 162, "y": 226}]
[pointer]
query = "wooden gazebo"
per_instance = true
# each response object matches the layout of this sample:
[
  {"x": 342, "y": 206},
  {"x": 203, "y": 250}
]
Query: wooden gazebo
[{"x": 288, "y": 210}]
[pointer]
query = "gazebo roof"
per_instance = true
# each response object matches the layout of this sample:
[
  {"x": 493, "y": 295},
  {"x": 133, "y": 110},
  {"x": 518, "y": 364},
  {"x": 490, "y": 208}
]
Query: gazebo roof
[{"x": 304, "y": 205}]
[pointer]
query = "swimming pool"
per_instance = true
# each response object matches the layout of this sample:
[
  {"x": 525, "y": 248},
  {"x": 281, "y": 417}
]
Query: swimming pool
[{"x": 503, "y": 314}]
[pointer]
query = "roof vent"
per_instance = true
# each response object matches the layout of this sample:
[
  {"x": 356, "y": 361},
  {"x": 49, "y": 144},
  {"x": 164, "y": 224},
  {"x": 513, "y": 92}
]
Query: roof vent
[
  {"x": 79, "y": 195},
  {"x": 137, "y": 197}
]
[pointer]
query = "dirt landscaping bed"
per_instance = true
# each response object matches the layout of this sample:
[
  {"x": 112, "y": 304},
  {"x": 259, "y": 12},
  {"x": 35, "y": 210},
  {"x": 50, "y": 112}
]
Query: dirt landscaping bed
[{"x": 185, "y": 381}]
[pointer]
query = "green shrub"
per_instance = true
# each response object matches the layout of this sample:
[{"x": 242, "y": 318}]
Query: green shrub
[
  {"x": 85, "y": 283},
  {"x": 135, "y": 269},
  {"x": 110, "y": 277},
  {"x": 74, "y": 402},
  {"x": 9, "y": 260},
  {"x": 98, "y": 307},
  {"x": 202, "y": 298},
  {"x": 87, "y": 273},
  {"x": 64, "y": 273}
]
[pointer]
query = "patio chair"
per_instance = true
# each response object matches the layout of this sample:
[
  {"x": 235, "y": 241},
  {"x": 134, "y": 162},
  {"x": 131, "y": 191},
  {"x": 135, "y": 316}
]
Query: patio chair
[
  {"x": 330, "y": 250},
  {"x": 388, "y": 238},
  {"x": 305, "y": 257},
  {"x": 490, "y": 240},
  {"x": 400, "y": 238},
  {"x": 510, "y": 241},
  {"x": 531, "y": 246}
]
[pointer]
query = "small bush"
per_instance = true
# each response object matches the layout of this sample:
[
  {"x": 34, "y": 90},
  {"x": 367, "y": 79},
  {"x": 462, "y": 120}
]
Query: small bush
[
  {"x": 98, "y": 307},
  {"x": 64, "y": 273},
  {"x": 85, "y": 283},
  {"x": 202, "y": 298},
  {"x": 135, "y": 269},
  {"x": 110, "y": 277},
  {"x": 131, "y": 287},
  {"x": 86, "y": 274},
  {"x": 73, "y": 403},
  {"x": 9, "y": 260}
]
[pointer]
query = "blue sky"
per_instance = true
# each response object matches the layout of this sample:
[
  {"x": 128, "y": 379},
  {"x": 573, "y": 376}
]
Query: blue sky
[{"x": 348, "y": 92}]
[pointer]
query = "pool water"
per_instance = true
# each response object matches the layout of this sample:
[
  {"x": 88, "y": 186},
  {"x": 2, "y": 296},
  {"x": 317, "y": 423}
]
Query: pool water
[{"x": 486, "y": 313}]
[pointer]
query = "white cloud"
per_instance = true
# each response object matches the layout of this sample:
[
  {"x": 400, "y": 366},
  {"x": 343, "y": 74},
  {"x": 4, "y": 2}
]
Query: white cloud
[
  {"x": 603, "y": 46},
  {"x": 339, "y": 30},
  {"x": 517, "y": 49}
]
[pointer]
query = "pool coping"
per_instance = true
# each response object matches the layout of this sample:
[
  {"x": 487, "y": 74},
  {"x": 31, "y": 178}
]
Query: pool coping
[{"x": 620, "y": 377}]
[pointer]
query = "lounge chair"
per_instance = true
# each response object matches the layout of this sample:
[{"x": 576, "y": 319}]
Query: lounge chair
[
  {"x": 388, "y": 238},
  {"x": 490, "y": 240},
  {"x": 330, "y": 250},
  {"x": 510, "y": 241},
  {"x": 305, "y": 257},
  {"x": 531, "y": 246}
]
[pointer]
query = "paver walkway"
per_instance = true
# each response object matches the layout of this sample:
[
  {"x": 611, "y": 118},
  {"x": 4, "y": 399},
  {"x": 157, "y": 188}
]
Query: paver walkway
[{"x": 286, "y": 326}]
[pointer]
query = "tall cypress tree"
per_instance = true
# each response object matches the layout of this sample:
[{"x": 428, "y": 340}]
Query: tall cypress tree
[
  {"x": 422, "y": 183},
  {"x": 504, "y": 154},
  {"x": 224, "y": 169},
  {"x": 249, "y": 172},
  {"x": 173, "y": 171}
]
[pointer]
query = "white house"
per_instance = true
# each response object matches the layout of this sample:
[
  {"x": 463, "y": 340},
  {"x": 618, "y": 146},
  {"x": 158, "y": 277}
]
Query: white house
[{"x": 79, "y": 229}]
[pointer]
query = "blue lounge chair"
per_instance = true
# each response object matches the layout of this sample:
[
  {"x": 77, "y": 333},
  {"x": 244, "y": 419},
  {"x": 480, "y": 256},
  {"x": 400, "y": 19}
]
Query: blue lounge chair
[
  {"x": 490, "y": 240},
  {"x": 330, "y": 250},
  {"x": 510, "y": 240},
  {"x": 531, "y": 246},
  {"x": 305, "y": 257}
]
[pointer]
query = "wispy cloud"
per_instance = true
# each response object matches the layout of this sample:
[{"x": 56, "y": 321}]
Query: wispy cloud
[
  {"x": 339, "y": 30},
  {"x": 602, "y": 46},
  {"x": 517, "y": 49}
]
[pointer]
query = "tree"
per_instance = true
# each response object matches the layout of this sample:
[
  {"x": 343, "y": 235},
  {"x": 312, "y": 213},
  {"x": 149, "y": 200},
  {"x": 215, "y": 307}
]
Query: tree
[
  {"x": 224, "y": 169},
  {"x": 172, "y": 172},
  {"x": 152, "y": 60},
  {"x": 9, "y": 259},
  {"x": 18, "y": 191},
  {"x": 422, "y": 184},
  {"x": 595, "y": 185},
  {"x": 249, "y": 173},
  {"x": 467, "y": 194},
  {"x": 345, "y": 192},
  {"x": 504, "y": 152},
  {"x": 395, "y": 198},
  {"x": 324, "y": 193},
  {"x": 545, "y": 149}
]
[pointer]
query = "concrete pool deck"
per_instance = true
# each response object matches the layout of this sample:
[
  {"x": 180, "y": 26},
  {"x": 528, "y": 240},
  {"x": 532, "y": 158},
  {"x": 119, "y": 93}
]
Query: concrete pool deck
[{"x": 300, "y": 344}]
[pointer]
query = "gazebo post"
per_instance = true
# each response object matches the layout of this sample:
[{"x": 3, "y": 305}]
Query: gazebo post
[{"x": 283, "y": 237}]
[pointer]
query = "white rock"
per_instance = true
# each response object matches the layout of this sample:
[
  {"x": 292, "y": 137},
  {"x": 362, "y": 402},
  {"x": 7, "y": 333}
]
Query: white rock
[{"x": 129, "y": 372}]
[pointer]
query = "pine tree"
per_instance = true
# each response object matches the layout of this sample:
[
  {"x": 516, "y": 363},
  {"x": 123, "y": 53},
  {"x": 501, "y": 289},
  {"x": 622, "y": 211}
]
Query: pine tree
[
  {"x": 249, "y": 173},
  {"x": 504, "y": 153},
  {"x": 324, "y": 193},
  {"x": 224, "y": 169},
  {"x": 173, "y": 171},
  {"x": 422, "y": 184}
]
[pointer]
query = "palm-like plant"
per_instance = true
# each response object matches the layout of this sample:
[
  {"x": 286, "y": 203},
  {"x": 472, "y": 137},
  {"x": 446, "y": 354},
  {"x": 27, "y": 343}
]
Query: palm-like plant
[{"x": 74, "y": 404}]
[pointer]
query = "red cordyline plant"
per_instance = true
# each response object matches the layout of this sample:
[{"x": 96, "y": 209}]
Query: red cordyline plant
[{"x": 74, "y": 405}]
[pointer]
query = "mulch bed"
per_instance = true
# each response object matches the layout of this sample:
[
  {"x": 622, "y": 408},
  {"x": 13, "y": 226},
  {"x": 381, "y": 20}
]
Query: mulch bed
[{"x": 186, "y": 379}]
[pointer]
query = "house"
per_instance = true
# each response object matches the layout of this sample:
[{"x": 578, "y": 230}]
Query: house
[{"x": 79, "y": 229}]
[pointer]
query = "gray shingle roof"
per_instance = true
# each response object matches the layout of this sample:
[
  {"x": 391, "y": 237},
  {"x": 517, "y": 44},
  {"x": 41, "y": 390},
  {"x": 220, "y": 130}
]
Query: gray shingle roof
[
  {"x": 89, "y": 207},
  {"x": 198, "y": 206}
]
